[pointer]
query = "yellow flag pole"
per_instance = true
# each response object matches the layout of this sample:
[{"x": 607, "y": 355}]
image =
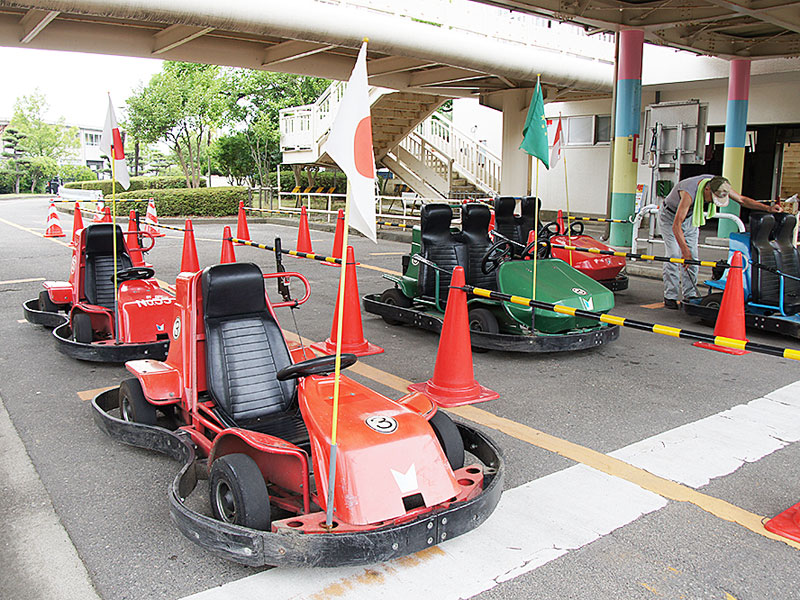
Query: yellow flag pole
[
  {"x": 338, "y": 362},
  {"x": 114, "y": 237}
]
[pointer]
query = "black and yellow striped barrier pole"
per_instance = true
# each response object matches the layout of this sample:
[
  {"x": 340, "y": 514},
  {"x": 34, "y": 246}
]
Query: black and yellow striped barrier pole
[
  {"x": 274, "y": 211},
  {"x": 640, "y": 325},
  {"x": 172, "y": 227},
  {"x": 599, "y": 220},
  {"x": 388, "y": 224},
  {"x": 680, "y": 261},
  {"x": 310, "y": 255}
]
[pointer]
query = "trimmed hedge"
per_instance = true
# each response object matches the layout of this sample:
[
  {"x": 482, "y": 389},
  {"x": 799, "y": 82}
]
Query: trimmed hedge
[
  {"x": 177, "y": 202},
  {"x": 137, "y": 183}
]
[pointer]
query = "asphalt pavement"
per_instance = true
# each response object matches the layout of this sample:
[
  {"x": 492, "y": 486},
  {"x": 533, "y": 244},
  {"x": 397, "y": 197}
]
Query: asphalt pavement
[{"x": 107, "y": 503}]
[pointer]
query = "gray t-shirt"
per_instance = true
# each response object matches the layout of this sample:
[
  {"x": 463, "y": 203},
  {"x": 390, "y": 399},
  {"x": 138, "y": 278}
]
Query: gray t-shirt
[{"x": 688, "y": 185}]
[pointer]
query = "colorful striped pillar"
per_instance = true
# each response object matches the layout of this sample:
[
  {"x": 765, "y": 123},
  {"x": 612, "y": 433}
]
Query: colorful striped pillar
[
  {"x": 626, "y": 133},
  {"x": 735, "y": 136}
]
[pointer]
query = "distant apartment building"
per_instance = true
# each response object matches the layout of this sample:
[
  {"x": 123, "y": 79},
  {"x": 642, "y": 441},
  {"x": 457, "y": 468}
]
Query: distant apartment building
[{"x": 88, "y": 154}]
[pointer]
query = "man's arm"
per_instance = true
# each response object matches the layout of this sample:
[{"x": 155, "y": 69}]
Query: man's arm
[
  {"x": 677, "y": 224},
  {"x": 748, "y": 202}
]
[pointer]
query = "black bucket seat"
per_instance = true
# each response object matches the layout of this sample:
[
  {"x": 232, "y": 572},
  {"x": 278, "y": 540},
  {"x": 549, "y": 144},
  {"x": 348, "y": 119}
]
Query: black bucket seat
[
  {"x": 475, "y": 220},
  {"x": 787, "y": 260},
  {"x": 245, "y": 349},
  {"x": 440, "y": 246},
  {"x": 98, "y": 284},
  {"x": 765, "y": 285}
]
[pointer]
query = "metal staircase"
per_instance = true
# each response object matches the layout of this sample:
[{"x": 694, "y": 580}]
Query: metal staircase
[{"x": 421, "y": 147}]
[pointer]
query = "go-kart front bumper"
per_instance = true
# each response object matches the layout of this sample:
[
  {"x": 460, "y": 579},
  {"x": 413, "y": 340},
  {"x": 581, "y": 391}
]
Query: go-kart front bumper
[
  {"x": 789, "y": 326},
  {"x": 259, "y": 548},
  {"x": 42, "y": 317},
  {"x": 108, "y": 351},
  {"x": 556, "y": 342}
]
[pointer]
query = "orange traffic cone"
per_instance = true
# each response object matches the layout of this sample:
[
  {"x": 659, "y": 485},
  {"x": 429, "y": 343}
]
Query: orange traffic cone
[
  {"x": 338, "y": 236},
  {"x": 303, "y": 234},
  {"x": 242, "y": 232},
  {"x": 453, "y": 382},
  {"x": 353, "y": 341},
  {"x": 151, "y": 220},
  {"x": 132, "y": 241},
  {"x": 786, "y": 523},
  {"x": 77, "y": 225},
  {"x": 53, "y": 224},
  {"x": 189, "y": 260},
  {"x": 730, "y": 318},
  {"x": 107, "y": 218},
  {"x": 101, "y": 214},
  {"x": 560, "y": 221},
  {"x": 228, "y": 255}
]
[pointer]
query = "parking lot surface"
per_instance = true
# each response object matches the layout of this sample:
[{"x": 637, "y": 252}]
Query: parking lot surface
[{"x": 640, "y": 469}]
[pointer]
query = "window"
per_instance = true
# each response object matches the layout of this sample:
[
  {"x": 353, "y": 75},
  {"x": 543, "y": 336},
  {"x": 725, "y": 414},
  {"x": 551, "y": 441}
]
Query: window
[
  {"x": 589, "y": 130},
  {"x": 92, "y": 139}
]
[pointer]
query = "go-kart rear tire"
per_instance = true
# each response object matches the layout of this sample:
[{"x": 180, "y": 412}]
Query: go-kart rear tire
[
  {"x": 449, "y": 439},
  {"x": 394, "y": 297},
  {"x": 713, "y": 300},
  {"x": 482, "y": 319},
  {"x": 133, "y": 406},
  {"x": 81, "y": 325},
  {"x": 238, "y": 492},
  {"x": 45, "y": 303}
]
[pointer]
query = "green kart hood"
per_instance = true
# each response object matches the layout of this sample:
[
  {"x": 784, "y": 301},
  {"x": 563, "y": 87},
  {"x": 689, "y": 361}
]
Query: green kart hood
[{"x": 556, "y": 283}]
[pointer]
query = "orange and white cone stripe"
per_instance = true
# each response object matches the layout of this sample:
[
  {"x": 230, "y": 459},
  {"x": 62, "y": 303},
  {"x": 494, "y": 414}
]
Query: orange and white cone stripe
[
  {"x": 151, "y": 220},
  {"x": 53, "y": 223}
]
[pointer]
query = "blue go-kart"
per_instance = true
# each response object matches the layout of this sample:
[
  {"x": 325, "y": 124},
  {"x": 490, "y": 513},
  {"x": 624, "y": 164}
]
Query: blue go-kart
[{"x": 771, "y": 277}]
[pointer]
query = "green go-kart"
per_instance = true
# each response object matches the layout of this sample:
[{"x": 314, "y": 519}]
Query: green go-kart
[{"x": 420, "y": 293}]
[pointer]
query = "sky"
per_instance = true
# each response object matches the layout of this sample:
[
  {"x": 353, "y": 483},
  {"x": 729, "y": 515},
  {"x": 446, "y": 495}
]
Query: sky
[{"x": 75, "y": 84}]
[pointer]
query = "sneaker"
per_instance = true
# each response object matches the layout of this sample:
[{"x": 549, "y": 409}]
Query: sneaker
[{"x": 670, "y": 304}]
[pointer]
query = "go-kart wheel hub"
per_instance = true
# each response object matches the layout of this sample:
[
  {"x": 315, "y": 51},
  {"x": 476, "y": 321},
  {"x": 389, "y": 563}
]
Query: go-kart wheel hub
[{"x": 226, "y": 505}]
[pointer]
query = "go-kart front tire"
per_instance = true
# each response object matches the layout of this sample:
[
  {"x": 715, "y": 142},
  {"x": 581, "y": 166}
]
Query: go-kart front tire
[
  {"x": 713, "y": 300},
  {"x": 449, "y": 439},
  {"x": 81, "y": 326},
  {"x": 238, "y": 492},
  {"x": 394, "y": 297},
  {"x": 45, "y": 303},
  {"x": 133, "y": 406},
  {"x": 482, "y": 319}
]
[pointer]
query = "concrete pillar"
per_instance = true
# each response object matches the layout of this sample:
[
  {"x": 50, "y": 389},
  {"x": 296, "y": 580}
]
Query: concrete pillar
[
  {"x": 735, "y": 136},
  {"x": 514, "y": 172},
  {"x": 626, "y": 133}
]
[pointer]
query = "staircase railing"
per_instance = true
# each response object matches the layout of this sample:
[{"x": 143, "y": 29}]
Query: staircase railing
[{"x": 435, "y": 142}]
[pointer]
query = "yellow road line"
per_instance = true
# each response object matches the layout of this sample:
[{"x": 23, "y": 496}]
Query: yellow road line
[
  {"x": 33, "y": 232},
  {"x": 665, "y": 488},
  {"x": 381, "y": 269},
  {"x": 10, "y": 281},
  {"x": 87, "y": 395},
  {"x": 654, "y": 305}
]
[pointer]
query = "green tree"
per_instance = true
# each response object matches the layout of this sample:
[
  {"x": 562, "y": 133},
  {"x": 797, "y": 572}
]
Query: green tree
[
  {"x": 40, "y": 169},
  {"x": 232, "y": 157},
  {"x": 254, "y": 101},
  {"x": 76, "y": 173},
  {"x": 54, "y": 140},
  {"x": 178, "y": 106},
  {"x": 13, "y": 153}
]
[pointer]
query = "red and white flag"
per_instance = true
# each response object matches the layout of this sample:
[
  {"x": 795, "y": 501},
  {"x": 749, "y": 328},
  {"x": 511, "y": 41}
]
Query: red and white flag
[
  {"x": 558, "y": 145},
  {"x": 111, "y": 145},
  {"x": 350, "y": 145}
]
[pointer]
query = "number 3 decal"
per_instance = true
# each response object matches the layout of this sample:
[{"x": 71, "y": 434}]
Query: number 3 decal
[{"x": 382, "y": 424}]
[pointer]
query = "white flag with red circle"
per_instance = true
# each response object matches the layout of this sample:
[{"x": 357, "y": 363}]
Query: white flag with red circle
[
  {"x": 558, "y": 145},
  {"x": 350, "y": 145},
  {"x": 111, "y": 145}
]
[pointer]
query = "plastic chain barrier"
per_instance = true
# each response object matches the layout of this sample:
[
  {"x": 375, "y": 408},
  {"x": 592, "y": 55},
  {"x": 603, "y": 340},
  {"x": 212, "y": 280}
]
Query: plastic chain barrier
[
  {"x": 601, "y": 219},
  {"x": 680, "y": 261},
  {"x": 640, "y": 325},
  {"x": 311, "y": 255},
  {"x": 167, "y": 227}
]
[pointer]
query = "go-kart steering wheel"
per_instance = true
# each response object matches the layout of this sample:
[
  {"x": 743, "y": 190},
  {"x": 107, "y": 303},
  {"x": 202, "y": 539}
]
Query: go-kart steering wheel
[
  {"x": 544, "y": 251},
  {"x": 551, "y": 229},
  {"x": 322, "y": 365},
  {"x": 494, "y": 256},
  {"x": 576, "y": 228},
  {"x": 135, "y": 273}
]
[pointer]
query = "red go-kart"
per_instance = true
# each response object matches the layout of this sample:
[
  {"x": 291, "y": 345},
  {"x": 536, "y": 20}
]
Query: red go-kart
[
  {"x": 231, "y": 391},
  {"x": 82, "y": 310},
  {"x": 602, "y": 268}
]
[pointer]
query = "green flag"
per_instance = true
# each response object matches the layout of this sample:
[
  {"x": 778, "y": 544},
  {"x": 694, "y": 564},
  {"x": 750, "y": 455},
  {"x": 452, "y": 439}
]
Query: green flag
[{"x": 534, "y": 134}]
